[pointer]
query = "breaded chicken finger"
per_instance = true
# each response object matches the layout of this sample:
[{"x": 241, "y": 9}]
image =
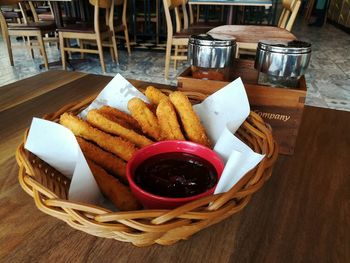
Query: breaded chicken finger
[
  {"x": 106, "y": 160},
  {"x": 101, "y": 122},
  {"x": 120, "y": 121},
  {"x": 190, "y": 121},
  {"x": 120, "y": 147},
  {"x": 145, "y": 117},
  {"x": 117, "y": 114},
  {"x": 168, "y": 122},
  {"x": 154, "y": 95},
  {"x": 118, "y": 193}
]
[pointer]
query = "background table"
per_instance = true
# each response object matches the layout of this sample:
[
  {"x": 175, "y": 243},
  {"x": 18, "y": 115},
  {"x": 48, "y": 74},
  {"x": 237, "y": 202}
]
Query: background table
[
  {"x": 231, "y": 4},
  {"x": 300, "y": 215},
  {"x": 249, "y": 36}
]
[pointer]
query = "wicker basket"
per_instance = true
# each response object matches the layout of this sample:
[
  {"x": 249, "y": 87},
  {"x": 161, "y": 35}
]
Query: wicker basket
[{"x": 49, "y": 189}]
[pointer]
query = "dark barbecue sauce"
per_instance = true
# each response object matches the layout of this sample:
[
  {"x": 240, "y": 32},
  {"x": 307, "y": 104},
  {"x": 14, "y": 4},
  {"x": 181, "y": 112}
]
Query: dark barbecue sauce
[{"x": 175, "y": 175}]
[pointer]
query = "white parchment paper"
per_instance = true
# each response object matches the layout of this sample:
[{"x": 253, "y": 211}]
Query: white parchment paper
[
  {"x": 57, "y": 146},
  {"x": 222, "y": 114}
]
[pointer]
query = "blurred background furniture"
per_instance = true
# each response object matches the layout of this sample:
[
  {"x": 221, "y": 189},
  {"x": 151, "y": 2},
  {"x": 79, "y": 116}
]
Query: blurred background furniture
[
  {"x": 248, "y": 36},
  {"x": 338, "y": 13},
  {"x": 27, "y": 29},
  {"x": 14, "y": 14},
  {"x": 205, "y": 22},
  {"x": 120, "y": 21},
  {"x": 231, "y": 4},
  {"x": 41, "y": 13},
  {"x": 289, "y": 14},
  {"x": 177, "y": 36},
  {"x": 309, "y": 6},
  {"x": 146, "y": 19},
  {"x": 101, "y": 32}
]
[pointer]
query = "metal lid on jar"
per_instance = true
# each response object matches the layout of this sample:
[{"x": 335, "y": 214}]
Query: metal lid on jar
[
  {"x": 283, "y": 59},
  {"x": 286, "y": 47},
  {"x": 211, "y": 51},
  {"x": 212, "y": 40}
]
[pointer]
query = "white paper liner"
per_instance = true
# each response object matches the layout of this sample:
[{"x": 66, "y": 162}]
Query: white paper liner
[
  {"x": 57, "y": 146},
  {"x": 222, "y": 114}
]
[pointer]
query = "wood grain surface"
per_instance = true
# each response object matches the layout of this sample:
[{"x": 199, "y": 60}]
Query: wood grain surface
[
  {"x": 19, "y": 92},
  {"x": 253, "y": 34},
  {"x": 300, "y": 215}
]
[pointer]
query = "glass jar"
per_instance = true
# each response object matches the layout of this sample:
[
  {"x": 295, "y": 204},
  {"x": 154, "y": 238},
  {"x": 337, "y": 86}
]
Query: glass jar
[{"x": 220, "y": 74}]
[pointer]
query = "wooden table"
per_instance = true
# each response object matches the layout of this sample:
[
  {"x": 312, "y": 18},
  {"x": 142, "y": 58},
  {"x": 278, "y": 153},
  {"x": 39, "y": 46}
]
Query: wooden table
[
  {"x": 300, "y": 215},
  {"x": 231, "y": 3},
  {"x": 248, "y": 36}
]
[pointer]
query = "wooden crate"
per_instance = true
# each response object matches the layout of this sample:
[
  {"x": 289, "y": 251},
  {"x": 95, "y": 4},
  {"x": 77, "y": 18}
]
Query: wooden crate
[{"x": 282, "y": 108}]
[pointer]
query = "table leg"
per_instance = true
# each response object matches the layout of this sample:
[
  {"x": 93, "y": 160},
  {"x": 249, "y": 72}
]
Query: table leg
[
  {"x": 134, "y": 18},
  {"x": 82, "y": 11},
  {"x": 274, "y": 11},
  {"x": 57, "y": 13},
  {"x": 230, "y": 15}
]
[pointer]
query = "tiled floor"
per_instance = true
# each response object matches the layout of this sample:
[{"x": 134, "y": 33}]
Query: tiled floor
[{"x": 328, "y": 76}]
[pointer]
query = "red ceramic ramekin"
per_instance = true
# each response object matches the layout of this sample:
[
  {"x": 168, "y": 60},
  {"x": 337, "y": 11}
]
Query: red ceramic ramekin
[{"x": 152, "y": 201}]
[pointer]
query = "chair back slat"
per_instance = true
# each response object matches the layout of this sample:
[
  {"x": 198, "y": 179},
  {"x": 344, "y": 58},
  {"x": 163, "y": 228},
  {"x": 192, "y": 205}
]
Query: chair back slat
[
  {"x": 3, "y": 23},
  {"x": 175, "y": 5},
  {"x": 289, "y": 14},
  {"x": 32, "y": 9},
  {"x": 190, "y": 8},
  {"x": 169, "y": 24},
  {"x": 293, "y": 16},
  {"x": 177, "y": 19},
  {"x": 185, "y": 14}
]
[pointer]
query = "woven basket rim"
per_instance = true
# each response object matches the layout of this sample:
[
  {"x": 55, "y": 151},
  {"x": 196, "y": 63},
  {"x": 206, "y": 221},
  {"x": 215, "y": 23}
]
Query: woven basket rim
[{"x": 146, "y": 227}]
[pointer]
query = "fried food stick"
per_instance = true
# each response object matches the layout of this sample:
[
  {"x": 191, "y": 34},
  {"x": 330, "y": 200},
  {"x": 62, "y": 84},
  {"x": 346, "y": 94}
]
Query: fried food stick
[
  {"x": 120, "y": 147},
  {"x": 154, "y": 95},
  {"x": 106, "y": 160},
  {"x": 144, "y": 116},
  {"x": 118, "y": 193},
  {"x": 168, "y": 122},
  {"x": 191, "y": 123},
  {"x": 121, "y": 117},
  {"x": 120, "y": 121},
  {"x": 101, "y": 122}
]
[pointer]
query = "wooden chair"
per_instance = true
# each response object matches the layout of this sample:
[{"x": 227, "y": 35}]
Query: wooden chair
[
  {"x": 95, "y": 33},
  {"x": 286, "y": 21},
  {"x": 179, "y": 39},
  {"x": 37, "y": 12},
  {"x": 12, "y": 14},
  {"x": 48, "y": 17},
  {"x": 45, "y": 13},
  {"x": 26, "y": 29},
  {"x": 120, "y": 25}
]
